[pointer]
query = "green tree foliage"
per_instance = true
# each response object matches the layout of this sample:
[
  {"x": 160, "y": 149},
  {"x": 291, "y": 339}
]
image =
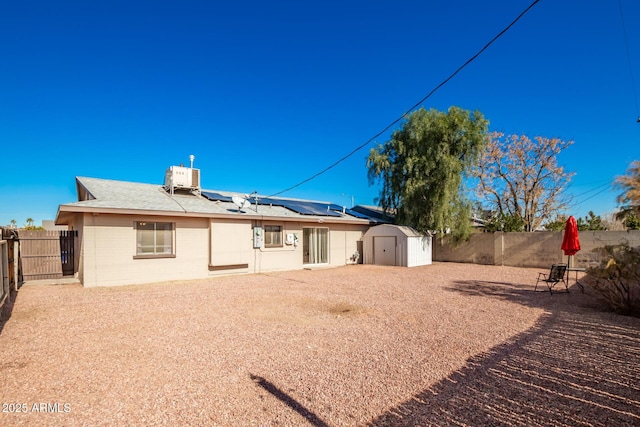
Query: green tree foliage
[
  {"x": 421, "y": 168},
  {"x": 30, "y": 225},
  {"x": 505, "y": 222},
  {"x": 591, "y": 222},
  {"x": 520, "y": 177},
  {"x": 629, "y": 200},
  {"x": 632, "y": 222},
  {"x": 557, "y": 224}
]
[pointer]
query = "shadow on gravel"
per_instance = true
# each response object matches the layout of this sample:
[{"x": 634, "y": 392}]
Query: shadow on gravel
[
  {"x": 289, "y": 401},
  {"x": 7, "y": 309},
  {"x": 576, "y": 367}
]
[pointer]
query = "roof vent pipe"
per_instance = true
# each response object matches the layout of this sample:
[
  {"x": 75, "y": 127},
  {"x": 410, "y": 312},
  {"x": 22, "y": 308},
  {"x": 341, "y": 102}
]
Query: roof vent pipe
[{"x": 191, "y": 159}]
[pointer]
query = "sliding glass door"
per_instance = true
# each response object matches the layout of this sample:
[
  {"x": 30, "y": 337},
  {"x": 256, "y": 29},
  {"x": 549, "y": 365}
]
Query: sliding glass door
[{"x": 315, "y": 245}]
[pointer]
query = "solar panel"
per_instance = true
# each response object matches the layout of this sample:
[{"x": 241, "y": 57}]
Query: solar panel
[
  {"x": 302, "y": 207},
  {"x": 269, "y": 201},
  {"x": 216, "y": 197},
  {"x": 298, "y": 206},
  {"x": 312, "y": 208},
  {"x": 356, "y": 214}
]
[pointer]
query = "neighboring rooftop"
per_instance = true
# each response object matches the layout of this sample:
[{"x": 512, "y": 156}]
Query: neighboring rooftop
[{"x": 375, "y": 212}]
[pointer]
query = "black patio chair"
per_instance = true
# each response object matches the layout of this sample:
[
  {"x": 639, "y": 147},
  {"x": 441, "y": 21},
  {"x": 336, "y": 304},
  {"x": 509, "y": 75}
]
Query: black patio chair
[{"x": 555, "y": 276}]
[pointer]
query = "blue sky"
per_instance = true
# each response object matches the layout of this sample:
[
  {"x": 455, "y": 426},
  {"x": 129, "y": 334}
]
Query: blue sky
[{"x": 266, "y": 94}]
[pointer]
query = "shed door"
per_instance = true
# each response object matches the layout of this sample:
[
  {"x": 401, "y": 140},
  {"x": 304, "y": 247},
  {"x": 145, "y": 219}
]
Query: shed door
[{"x": 384, "y": 250}]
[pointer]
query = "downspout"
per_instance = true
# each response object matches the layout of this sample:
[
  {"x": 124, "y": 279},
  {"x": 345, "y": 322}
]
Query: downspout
[{"x": 346, "y": 260}]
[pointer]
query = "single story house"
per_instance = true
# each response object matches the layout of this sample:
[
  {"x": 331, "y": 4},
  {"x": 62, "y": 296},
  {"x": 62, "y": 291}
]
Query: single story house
[{"x": 133, "y": 233}]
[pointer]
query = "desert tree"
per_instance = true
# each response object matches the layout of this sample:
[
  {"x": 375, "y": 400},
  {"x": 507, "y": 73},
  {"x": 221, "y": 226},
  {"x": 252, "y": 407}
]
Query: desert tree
[
  {"x": 591, "y": 222},
  {"x": 612, "y": 223},
  {"x": 421, "y": 168},
  {"x": 629, "y": 200},
  {"x": 519, "y": 177}
]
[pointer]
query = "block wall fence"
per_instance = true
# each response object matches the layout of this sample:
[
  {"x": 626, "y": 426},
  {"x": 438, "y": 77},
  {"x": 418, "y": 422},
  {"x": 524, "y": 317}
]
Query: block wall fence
[{"x": 538, "y": 249}]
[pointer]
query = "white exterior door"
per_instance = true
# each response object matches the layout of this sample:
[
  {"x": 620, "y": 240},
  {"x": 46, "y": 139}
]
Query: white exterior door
[{"x": 384, "y": 250}]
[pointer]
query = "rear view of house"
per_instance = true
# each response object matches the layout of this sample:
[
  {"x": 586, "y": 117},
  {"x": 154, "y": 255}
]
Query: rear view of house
[{"x": 131, "y": 233}]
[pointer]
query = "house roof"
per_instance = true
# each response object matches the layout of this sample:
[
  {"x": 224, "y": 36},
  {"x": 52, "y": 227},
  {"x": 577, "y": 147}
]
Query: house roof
[
  {"x": 110, "y": 196},
  {"x": 374, "y": 212}
]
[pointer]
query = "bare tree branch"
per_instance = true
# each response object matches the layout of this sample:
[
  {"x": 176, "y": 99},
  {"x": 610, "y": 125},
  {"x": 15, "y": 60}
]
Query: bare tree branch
[{"x": 520, "y": 177}]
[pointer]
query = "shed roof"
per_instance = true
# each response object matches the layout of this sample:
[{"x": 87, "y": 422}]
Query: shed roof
[
  {"x": 112, "y": 196},
  {"x": 390, "y": 229}
]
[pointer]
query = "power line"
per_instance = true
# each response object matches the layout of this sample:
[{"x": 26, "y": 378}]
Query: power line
[
  {"x": 608, "y": 187},
  {"x": 592, "y": 196},
  {"x": 445, "y": 81},
  {"x": 606, "y": 184},
  {"x": 585, "y": 184}
]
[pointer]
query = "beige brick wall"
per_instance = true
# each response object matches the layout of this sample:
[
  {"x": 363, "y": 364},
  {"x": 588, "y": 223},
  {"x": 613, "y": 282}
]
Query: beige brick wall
[
  {"x": 530, "y": 249},
  {"x": 540, "y": 249},
  {"x": 108, "y": 246},
  {"x": 480, "y": 249},
  {"x": 590, "y": 240},
  {"x": 343, "y": 241}
]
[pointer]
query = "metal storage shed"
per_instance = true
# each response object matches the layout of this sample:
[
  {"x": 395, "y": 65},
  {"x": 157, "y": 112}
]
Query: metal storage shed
[{"x": 388, "y": 244}]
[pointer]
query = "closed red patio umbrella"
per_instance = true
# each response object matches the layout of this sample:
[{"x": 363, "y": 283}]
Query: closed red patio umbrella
[{"x": 571, "y": 240}]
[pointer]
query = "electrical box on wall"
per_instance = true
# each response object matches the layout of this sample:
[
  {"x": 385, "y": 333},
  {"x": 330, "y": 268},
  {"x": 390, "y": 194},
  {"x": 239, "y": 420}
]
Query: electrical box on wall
[
  {"x": 289, "y": 240},
  {"x": 257, "y": 237}
]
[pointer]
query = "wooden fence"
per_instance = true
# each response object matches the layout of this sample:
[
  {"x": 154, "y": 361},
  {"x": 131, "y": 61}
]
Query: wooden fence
[
  {"x": 46, "y": 254},
  {"x": 9, "y": 273},
  {"x": 4, "y": 270}
]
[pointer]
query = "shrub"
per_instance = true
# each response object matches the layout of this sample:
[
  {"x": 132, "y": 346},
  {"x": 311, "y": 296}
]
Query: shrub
[
  {"x": 617, "y": 280},
  {"x": 505, "y": 222}
]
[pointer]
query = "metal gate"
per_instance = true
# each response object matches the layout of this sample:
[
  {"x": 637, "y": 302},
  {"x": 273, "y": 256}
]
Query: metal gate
[{"x": 67, "y": 251}]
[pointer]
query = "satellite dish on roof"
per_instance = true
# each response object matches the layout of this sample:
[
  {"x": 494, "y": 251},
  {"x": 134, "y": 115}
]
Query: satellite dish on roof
[{"x": 240, "y": 202}]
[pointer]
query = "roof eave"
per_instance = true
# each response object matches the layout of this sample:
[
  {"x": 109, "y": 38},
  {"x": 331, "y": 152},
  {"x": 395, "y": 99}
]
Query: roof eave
[{"x": 67, "y": 212}]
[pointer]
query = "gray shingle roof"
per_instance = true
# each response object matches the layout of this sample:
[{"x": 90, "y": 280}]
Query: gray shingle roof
[{"x": 115, "y": 195}]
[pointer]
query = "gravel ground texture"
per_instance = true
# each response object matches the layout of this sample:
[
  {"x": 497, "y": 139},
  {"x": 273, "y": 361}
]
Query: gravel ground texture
[{"x": 444, "y": 344}]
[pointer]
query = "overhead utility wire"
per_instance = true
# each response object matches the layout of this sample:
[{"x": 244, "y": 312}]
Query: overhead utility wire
[
  {"x": 591, "y": 197},
  {"x": 445, "y": 81},
  {"x": 606, "y": 184}
]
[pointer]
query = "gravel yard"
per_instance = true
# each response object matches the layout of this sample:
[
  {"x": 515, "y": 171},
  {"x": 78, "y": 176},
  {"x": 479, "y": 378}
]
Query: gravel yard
[{"x": 444, "y": 344}]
